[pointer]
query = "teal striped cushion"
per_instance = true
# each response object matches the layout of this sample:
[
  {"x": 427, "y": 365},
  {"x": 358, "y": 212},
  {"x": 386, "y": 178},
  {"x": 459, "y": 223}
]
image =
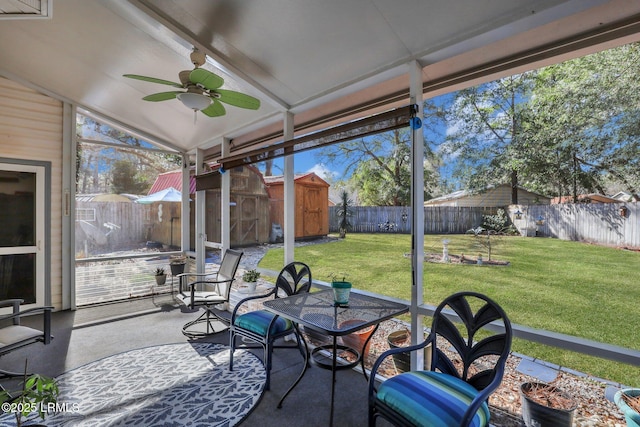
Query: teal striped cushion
[
  {"x": 431, "y": 399},
  {"x": 258, "y": 322}
]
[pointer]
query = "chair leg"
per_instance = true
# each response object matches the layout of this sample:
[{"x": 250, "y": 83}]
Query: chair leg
[
  {"x": 268, "y": 350},
  {"x": 232, "y": 345},
  {"x": 211, "y": 321},
  {"x": 372, "y": 416}
]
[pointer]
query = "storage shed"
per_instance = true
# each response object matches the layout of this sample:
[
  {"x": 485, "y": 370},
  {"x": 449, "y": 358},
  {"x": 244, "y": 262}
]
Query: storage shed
[
  {"x": 312, "y": 204},
  {"x": 249, "y": 211},
  {"x": 249, "y": 204}
]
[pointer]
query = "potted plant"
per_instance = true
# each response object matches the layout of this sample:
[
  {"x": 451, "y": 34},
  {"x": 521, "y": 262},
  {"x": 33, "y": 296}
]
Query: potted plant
[
  {"x": 177, "y": 263},
  {"x": 161, "y": 277},
  {"x": 628, "y": 400},
  {"x": 545, "y": 404},
  {"x": 37, "y": 393},
  {"x": 250, "y": 277},
  {"x": 402, "y": 361},
  {"x": 341, "y": 288},
  {"x": 357, "y": 339},
  {"x": 344, "y": 212}
]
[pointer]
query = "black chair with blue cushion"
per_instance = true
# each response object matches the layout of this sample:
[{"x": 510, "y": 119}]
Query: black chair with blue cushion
[
  {"x": 450, "y": 393},
  {"x": 263, "y": 327}
]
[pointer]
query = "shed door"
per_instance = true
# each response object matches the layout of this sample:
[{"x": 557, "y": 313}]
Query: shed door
[{"x": 313, "y": 212}]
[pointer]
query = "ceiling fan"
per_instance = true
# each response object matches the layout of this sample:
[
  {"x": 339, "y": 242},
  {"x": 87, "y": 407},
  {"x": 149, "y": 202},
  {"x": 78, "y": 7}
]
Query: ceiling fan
[{"x": 202, "y": 90}]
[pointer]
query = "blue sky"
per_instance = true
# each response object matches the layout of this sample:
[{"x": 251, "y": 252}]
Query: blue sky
[{"x": 306, "y": 162}]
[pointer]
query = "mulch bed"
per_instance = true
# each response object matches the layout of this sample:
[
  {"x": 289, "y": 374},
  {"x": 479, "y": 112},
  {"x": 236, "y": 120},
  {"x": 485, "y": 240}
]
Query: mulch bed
[
  {"x": 463, "y": 260},
  {"x": 594, "y": 409}
]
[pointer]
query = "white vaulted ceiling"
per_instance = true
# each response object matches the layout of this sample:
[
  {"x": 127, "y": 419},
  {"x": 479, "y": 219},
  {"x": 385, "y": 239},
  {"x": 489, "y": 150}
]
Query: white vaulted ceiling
[{"x": 317, "y": 59}]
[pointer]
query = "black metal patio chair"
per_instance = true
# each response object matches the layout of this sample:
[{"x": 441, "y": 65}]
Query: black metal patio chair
[
  {"x": 264, "y": 327},
  {"x": 455, "y": 391},
  {"x": 13, "y": 335},
  {"x": 208, "y": 290}
]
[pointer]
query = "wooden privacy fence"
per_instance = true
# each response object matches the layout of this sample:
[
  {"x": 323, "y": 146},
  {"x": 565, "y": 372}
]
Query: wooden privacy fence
[
  {"x": 108, "y": 226},
  {"x": 601, "y": 223},
  {"x": 397, "y": 219}
]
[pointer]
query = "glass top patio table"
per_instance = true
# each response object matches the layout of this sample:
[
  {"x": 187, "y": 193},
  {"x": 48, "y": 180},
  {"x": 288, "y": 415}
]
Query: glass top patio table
[{"x": 316, "y": 310}]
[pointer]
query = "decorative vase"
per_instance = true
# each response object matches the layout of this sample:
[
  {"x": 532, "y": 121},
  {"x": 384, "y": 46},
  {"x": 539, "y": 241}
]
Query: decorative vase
[
  {"x": 534, "y": 413},
  {"x": 341, "y": 292},
  {"x": 357, "y": 339},
  {"x": 630, "y": 415}
]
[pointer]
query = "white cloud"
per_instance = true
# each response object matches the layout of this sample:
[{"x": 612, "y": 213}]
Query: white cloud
[{"x": 324, "y": 172}]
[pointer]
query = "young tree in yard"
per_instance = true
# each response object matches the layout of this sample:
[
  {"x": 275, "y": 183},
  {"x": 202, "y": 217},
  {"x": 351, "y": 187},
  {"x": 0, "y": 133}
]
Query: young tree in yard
[
  {"x": 485, "y": 140},
  {"x": 344, "y": 212},
  {"x": 583, "y": 125}
]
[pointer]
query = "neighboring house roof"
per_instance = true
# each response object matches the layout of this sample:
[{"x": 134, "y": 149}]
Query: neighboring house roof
[
  {"x": 172, "y": 179},
  {"x": 623, "y": 196},
  {"x": 105, "y": 197},
  {"x": 585, "y": 198},
  {"x": 499, "y": 195}
]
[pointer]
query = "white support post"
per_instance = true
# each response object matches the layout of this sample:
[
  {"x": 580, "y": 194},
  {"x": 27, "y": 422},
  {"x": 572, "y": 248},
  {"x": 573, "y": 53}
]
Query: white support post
[
  {"x": 417, "y": 207},
  {"x": 185, "y": 211},
  {"x": 225, "y": 203},
  {"x": 69, "y": 151},
  {"x": 289, "y": 225},
  {"x": 200, "y": 215}
]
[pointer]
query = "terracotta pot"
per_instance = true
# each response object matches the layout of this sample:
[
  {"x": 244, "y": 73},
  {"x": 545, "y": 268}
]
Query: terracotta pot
[{"x": 356, "y": 339}]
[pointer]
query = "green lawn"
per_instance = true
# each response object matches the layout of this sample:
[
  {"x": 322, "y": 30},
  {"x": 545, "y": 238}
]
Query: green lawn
[{"x": 573, "y": 288}]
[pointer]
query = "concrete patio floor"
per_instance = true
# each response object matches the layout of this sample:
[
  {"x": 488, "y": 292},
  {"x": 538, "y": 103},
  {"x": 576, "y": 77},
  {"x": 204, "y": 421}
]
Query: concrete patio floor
[{"x": 92, "y": 333}]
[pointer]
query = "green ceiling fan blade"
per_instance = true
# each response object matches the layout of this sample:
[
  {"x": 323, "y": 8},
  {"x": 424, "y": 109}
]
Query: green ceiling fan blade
[
  {"x": 206, "y": 78},
  {"x": 152, "y": 80},
  {"x": 238, "y": 99},
  {"x": 216, "y": 109},
  {"x": 162, "y": 96}
]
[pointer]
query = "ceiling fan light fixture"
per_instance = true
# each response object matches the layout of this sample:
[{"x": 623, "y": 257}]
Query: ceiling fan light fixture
[{"x": 195, "y": 101}]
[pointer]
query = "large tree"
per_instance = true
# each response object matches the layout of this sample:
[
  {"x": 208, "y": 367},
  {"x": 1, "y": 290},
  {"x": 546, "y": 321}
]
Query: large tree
[
  {"x": 100, "y": 167},
  {"x": 378, "y": 167},
  {"x": 126, "y": 179},
  {"x": 483, "y": 139},
  {"x": 583, "y": 125}
]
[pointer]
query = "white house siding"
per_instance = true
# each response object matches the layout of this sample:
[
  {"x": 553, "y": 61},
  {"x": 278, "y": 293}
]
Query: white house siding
[
  {"x": 494, "y": 197},
  {"x": 31, "y": 129}
]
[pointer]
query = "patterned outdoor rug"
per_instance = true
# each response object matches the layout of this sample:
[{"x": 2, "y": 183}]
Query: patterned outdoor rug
[{"x": 175, "y": 384}]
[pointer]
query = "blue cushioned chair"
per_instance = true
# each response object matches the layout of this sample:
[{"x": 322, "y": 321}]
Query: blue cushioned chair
[
  {"x": 264, "y": 327},
  {"x": 450, "y": 393}
]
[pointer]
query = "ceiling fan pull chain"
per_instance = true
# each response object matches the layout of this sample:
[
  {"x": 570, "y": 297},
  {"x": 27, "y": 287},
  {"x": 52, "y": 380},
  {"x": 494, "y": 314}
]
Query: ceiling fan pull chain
[{"x": 195, "y": 117}]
